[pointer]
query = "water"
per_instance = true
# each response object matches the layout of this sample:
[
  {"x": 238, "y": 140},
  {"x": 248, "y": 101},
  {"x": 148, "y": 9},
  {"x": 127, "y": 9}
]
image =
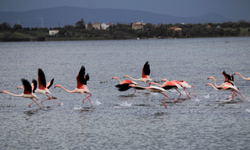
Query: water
[{"x": 120, "y": 120}]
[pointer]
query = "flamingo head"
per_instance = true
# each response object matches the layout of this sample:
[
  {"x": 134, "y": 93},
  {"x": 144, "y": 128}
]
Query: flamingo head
[
  {"x": 114, "y": 77},
  {"x": 210, "y": 78},
  {"x": 208, "y": 84},
  {"x": 20, "y": 87},
  {"x": 57, "y": 86},
  {"x": 164, "y": 80},
  {"x": 3, "y": 91},
  {"x": 236, "y": 73},
  {"x": 126, "y": 76},
  {"x": 151, "y": 83}
]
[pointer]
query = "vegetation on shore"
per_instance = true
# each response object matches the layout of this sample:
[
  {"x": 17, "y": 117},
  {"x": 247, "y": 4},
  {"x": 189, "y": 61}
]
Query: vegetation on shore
[{"x": 124, "y": 31}]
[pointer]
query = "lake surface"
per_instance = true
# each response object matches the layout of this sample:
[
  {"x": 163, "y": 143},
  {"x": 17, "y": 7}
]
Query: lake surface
[{"x": 120, "y": 120}]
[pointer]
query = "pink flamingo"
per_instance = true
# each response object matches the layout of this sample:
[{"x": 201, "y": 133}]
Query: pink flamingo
[
  {"x": 229, "y": 87},
  {"x": 167, "y": 85},
  {"x": 145, "y": 74},
  {"x": 185, "y": 85},
  {"x": 27, "y": 92},
  {"x": 237, "y": 73},
  {"x": 43, "y": 88},
  {"x": 81, "y": 87},
  {"x": 124, "y": 85},
  {"x": 154, "y": 89}
]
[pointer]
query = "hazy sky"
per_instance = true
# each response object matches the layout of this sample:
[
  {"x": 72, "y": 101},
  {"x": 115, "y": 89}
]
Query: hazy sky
[{"x": 233, "y": 9}]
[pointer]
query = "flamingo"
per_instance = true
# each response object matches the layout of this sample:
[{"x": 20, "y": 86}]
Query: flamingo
[
  {"x": 43, "y": 88},
  {"x": 145, "y": 74},
  {"x": 219, "y": 86},
  {"x": 81, "y": 86},
  {"x": 124, "y": 85},
  {"x": 185, "y": 85},
  {"x": 167, "y": 85},
  {"x": 228, "y": 78},
  {"x": 27, "y": 92},
  {"x": 237, "y": 73},
  {"x": 233, "y": 89},
  {"x": 154, "y": 89}
]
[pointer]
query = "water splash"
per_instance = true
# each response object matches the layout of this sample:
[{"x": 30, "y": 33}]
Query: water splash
[
  {"x": 77, "y": 108},
  {"x": 207, "y": 96},
  {"x": 197, "y": 100},
  {"x": 124, "y": 104},
  {"x": 97, "y": 103},
  {"x": 247, "y": 110}
]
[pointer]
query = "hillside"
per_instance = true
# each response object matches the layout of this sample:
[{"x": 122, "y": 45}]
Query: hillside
[{"x": 61, "y": 16}]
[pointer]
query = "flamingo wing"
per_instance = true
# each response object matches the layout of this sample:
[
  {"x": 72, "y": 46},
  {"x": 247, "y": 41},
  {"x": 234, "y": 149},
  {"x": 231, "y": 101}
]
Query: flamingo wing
[
  {"x": 228, "y": 77},
  {"x": 80, "y": 77},
  {"x": 49, "y": 84},
  {"x": 41, "y": 79},
  {"x": 26, "y": 86},
  {"x": 34, "y": 85},
  {"x": 145, "y": 70},
  {"x": 123, "y": 87}
]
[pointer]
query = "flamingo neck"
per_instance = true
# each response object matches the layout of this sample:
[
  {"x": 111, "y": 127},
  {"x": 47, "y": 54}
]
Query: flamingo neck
[
  {"x": 243, "y": 77},
  {"x": 66, "y": 89},
  {"x": 20, "y": 95},
  {"x": 156, "y": 84},
  {"x": 214, "y": 87},
  {"x": 118, "y": 79}
]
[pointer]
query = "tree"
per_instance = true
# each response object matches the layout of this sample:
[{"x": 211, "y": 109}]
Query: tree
[
  {"x": 89, "y": 26},
  {"x": 5, "y": 26},
  {"x": 80, "y": 24},
  {"x": 17, "y": 26}
]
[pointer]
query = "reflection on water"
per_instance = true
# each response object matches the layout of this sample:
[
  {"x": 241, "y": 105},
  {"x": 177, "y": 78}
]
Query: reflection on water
[{"x": 120, "y": 120}]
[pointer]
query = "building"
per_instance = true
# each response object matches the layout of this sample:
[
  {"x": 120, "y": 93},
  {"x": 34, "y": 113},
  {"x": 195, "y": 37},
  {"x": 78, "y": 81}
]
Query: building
[
  {"x": 53, "y": 32},
  {"x": 106, "y": 25},
  {"x": 175, "y": 28},
  {"x": 96, "y": 26},
  {"x": 137, "y": 26}
]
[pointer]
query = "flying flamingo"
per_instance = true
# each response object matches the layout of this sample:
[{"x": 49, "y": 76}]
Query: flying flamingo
[
  {"x": 185, "y": 85},
  {"x": 43, "y": 88},
  {"x": 27, "y": 92},
  {"x": 237, "y": 73},
  {"x": 231, "y": 88},
  {"x": 81, "y": 87},
  {"x": 124, "y": 85},
  {"x": 228, "y": 78},
  {"x": 167, "y": 85},
  {"x": 219, "y": 86},
  {"x": 154, "y": 89},
  {"x": 145, "y": 74}
]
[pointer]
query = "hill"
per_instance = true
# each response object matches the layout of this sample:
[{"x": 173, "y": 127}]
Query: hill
[{"x": 61, "y": 16}]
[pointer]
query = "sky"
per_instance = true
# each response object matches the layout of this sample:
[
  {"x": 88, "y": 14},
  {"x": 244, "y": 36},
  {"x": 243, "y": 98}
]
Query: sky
[{"x": 233, "y": 9}]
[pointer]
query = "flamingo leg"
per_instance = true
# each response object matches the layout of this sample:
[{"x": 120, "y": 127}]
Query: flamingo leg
[
  {"x": 49, "y": 98},
  {"x": 34, "y": 101},
  {"x": 134, "y": 91},
  {"x": 87, "y": 97},
  {"x": 185, "y": 89},
  {"x": 241, "y": 95},
  {"x": 165, "y": 102},
  {"x": 179, "y": 95},
  {"x": 193, "y": 90},
  {"x": 168, "y": 97},
  {"x": 232, "y": 96}
]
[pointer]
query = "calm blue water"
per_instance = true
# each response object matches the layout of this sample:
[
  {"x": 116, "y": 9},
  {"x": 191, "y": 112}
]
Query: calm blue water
[{"x": 119, "y": 120}]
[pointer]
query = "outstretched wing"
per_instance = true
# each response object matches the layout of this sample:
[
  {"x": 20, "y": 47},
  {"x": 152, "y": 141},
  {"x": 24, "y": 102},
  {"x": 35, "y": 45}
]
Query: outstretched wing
[
  {"x": 86, "y": 78},
  {"x": 26, "y": 86},
  {"x": 228, "y": 77},
  {"x": 146, "y": 69},
  {"x": 34, "y": 83},
  {"x": 41, "y": 78},
  {"x": 49, "y": 84},
  {"x": 80, "y": 77}
]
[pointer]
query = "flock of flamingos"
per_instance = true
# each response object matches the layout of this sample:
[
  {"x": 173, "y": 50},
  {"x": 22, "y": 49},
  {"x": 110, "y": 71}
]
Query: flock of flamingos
[{"x": 81, "y": 86}]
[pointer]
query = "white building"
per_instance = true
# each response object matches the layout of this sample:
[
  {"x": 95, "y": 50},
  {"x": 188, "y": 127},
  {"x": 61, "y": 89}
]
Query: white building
[
  {"x": 53, "y": 32},
  {"x": 106, "y": 25}
]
